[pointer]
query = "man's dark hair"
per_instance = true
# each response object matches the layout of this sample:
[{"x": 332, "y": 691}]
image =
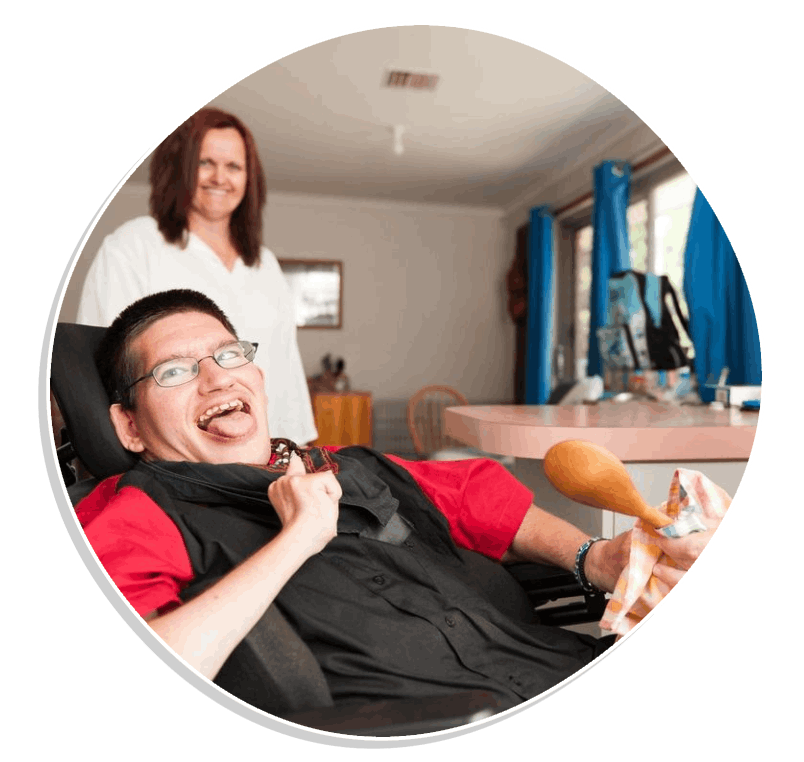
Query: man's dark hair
[
  {"x": 174, "y": 176},
  {"x": 116, "y": 365}
]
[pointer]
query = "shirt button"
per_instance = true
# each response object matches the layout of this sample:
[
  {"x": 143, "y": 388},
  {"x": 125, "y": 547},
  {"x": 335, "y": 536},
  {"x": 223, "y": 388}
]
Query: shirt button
[
  {"x": 379, "y": 579},
  {"x": 450, "y": 621},
  {"x": 409, "y": 543}
]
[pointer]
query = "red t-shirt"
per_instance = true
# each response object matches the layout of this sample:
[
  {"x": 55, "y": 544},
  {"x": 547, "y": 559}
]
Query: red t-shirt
[{"x": 143, "y": 551}]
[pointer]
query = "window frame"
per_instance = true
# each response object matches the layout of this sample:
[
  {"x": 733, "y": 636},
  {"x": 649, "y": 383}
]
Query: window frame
[{"x": 569, "y": 224}]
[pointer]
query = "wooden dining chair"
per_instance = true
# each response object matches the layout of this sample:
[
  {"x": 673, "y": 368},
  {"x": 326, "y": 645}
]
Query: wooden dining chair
[{"x": 426, "y": 419}]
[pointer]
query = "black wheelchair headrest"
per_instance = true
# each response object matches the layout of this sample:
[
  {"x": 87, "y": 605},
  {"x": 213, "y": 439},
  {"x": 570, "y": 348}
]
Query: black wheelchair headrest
[{"x": 76, "y": 385}]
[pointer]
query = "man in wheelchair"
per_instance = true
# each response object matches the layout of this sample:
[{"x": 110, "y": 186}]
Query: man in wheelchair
[{"x": 365, "y": 556}]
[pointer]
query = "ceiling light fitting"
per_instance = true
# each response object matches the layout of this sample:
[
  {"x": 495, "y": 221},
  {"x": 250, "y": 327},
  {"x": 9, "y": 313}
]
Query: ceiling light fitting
[{"x": 399, "y": 147}]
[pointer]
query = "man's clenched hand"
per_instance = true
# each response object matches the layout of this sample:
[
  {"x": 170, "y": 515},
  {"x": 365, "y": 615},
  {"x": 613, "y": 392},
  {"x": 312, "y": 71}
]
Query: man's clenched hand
[{"x": 307, "y": 504}]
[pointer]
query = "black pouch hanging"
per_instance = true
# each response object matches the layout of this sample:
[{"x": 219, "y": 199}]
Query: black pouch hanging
[{"x": 648, "y": 308}]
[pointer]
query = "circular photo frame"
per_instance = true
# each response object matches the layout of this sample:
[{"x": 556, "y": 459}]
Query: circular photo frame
[{"x": 423, "y": 238}]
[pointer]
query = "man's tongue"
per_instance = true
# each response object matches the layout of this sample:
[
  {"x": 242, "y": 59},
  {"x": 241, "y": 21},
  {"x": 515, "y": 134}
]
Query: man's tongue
[{"x": 229, "y": 425}]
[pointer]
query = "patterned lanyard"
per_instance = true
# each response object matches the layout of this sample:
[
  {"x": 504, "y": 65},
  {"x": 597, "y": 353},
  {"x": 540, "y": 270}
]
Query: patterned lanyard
[{"x": 282, "y": 450}]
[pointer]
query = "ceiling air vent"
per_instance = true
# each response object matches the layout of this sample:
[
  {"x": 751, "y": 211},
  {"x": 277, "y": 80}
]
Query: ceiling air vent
[{"x": 411, "y": 80}]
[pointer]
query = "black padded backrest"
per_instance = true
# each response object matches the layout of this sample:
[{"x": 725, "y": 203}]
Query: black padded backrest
[
  {"x": 80, "y": 395},
  {"x": 274, "y": 670}
]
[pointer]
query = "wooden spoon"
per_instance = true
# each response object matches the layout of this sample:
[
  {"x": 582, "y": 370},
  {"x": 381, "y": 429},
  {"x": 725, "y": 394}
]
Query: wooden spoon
[{"x": 590, "y": 474}]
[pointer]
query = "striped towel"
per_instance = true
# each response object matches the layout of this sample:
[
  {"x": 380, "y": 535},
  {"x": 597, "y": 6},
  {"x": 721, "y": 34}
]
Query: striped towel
[{"x": 691, "y": 496}]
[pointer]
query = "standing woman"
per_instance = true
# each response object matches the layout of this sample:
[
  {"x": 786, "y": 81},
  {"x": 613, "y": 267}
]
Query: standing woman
[{"x": 205, "y": 233}]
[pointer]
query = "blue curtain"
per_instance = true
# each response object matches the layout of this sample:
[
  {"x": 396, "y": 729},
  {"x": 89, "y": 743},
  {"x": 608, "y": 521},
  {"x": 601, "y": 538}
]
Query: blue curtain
[
  {"x": 610, "y": 246},
  {"x": 722, "y": 320},
  {"x": 539, "y": 330}
]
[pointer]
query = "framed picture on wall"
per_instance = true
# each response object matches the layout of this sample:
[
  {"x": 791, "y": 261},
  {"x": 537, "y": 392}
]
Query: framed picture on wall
[{"x": 317, "y": 287}]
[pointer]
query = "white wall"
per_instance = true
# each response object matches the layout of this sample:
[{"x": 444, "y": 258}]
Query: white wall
[
  {"x": 424, "y": 293},
  {"x": 424, "y": 289}
]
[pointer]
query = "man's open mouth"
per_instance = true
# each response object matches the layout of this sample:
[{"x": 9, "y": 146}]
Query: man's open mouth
[{"x": 227, "y": 419}]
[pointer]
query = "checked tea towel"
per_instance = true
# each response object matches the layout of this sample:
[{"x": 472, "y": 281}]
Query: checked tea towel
[{"x": 692, "y": 495}]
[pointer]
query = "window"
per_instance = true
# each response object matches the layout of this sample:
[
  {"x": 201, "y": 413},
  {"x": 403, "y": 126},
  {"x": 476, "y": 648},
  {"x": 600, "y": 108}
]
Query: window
[{"x": 658, "y": 220}]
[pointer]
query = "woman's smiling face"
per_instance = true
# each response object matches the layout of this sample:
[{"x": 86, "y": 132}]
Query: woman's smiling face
[{"x": 222, "y": 174}]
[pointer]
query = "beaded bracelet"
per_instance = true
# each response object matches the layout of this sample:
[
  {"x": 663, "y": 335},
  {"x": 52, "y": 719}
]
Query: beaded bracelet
[{"x": 580, "y": 558}]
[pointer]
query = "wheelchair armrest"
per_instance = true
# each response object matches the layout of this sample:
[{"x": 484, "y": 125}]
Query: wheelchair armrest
[
  {"x": 545, "y": 584},
  {"x": 400, "y": 717}
]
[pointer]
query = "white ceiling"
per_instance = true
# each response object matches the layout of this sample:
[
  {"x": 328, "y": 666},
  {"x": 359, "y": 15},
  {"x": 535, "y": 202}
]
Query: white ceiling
[{"x": 502, "y": 116}]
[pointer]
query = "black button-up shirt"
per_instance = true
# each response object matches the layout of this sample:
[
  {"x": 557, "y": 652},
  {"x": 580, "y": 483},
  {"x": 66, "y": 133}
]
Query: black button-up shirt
[
  {"x": 388, "y": 608},
  {"x": 395, "y": 621}
]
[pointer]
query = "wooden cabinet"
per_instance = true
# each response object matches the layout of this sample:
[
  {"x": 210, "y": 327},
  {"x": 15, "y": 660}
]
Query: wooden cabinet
[{"x": 343, "y": 418}]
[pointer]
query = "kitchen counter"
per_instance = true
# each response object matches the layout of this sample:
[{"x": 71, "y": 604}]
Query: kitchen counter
[{"x": 633, "y": 430}]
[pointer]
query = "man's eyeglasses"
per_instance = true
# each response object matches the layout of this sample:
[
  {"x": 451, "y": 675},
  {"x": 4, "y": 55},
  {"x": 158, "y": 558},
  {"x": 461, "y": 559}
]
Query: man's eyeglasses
[{"x": 182, "y": 370}]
